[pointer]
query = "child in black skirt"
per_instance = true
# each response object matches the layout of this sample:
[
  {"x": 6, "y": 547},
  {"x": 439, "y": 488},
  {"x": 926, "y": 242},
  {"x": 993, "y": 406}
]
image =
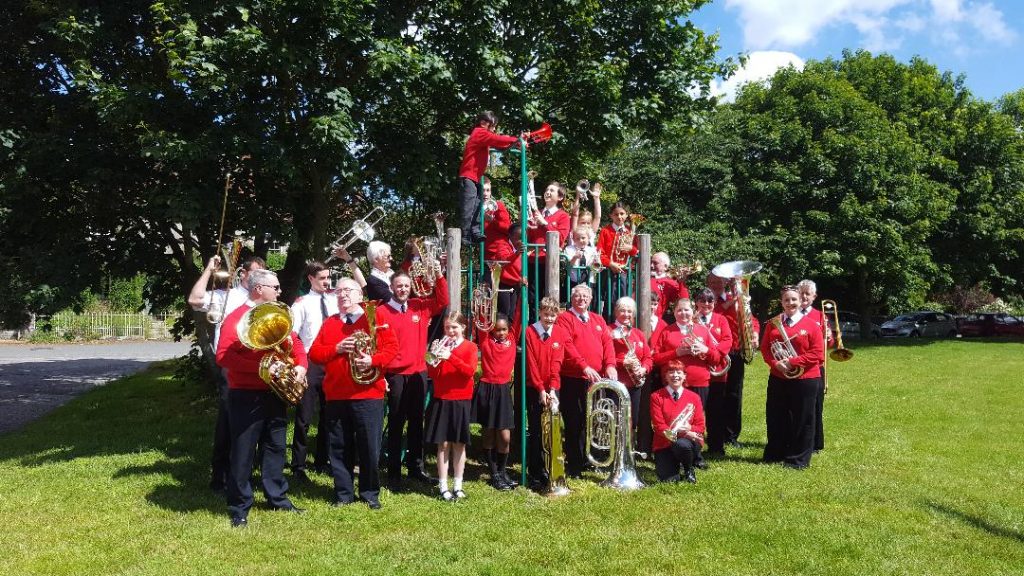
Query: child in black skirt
[
  {"x": 452, "y": 369},
  {"x": 492, "y": 400}
]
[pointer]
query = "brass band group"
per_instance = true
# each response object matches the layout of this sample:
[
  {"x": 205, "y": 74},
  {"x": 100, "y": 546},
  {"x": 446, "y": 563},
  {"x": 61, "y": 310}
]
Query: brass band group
[{"x": 634, "y": 366}]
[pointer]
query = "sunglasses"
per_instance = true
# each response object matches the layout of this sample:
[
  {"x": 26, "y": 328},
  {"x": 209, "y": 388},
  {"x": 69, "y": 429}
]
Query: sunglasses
[{"x": 275, "y": 287}]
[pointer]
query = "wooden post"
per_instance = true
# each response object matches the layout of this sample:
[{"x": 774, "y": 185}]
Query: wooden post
[
  {"x": 552, "y": 246},
  {"x": 643, "y": 285},
  {"x": 453, "y": 270}
]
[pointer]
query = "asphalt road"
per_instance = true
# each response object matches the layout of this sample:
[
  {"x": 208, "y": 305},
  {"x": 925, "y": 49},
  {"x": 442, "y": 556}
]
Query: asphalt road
[{"x": 35, "y": 379}]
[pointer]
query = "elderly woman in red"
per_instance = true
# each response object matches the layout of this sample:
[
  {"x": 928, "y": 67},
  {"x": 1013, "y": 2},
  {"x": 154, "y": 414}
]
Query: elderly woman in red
[
  {"x": 626, "y": 338},
  {"x": 793, "y": 347},
  {"x": 677, "y": 417}
]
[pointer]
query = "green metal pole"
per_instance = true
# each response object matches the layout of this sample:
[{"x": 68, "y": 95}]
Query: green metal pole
[{"x": 524, "y": 316}]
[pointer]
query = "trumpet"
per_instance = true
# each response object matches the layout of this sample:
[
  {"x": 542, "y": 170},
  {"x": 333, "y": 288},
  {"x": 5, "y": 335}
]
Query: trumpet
[
  {"x": 582, "y": 189},
  {"x": 783, "y": 350},
  {"x": 840, "y": 354},
  {"x": 685, "y": 270},
  {"x": 531, "y": 196},
  {"x": 439, "y": 350},
  {"x": 361, "y": 229}
]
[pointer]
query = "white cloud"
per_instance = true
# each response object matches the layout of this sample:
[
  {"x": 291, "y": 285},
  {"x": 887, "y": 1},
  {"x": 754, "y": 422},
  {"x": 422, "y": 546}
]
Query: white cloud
[
  {"x": 760, "y": 66},
  {"x": 882, "y": 24}
]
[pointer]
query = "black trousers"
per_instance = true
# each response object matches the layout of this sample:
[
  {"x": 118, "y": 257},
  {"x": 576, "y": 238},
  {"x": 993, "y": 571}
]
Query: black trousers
[
  {"x": 471, "y": 196},
  {"x": 715, "y": 417},
  {"x": 703, "y": 393},
  {"x": 256, "y": 416},
  {"x": 406, "y": 400},
  {"x": 537, "y": 474},
  {"x": 312, "y": 401},
  {"x": 644, "y": 433},
  {"x": 819, "y": 409},
  {"x": 359, "y": 421},
  {"x": 733, "y": 408},
  {"x": 573, "y": 405},
  {"x": 679, "y": 455},
  {"x": 220, "y": 460},
  {"x": 789, "y": 418}
]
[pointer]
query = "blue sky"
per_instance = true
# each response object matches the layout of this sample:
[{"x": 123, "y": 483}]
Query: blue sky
[{"x": 981, "y": 39}]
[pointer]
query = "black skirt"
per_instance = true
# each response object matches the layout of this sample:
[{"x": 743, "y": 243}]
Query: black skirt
[
  {"x": 492, "y": 406},
  {"x": 448, "y": 421}
]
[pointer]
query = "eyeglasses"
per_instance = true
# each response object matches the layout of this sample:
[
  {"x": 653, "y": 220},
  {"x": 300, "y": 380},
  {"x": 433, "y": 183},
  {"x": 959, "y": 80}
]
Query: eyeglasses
[
  {"x": 790, "y": 288},
  {"x": 346, "y": 290},
  {"x": 275, "y": 287}
]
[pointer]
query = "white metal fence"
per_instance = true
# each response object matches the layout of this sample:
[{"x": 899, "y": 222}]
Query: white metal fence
[{"x": 100, "y": 325}]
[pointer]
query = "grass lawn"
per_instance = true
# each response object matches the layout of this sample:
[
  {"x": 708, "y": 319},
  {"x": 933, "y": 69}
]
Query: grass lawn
[{"x": 922, "y": 474}]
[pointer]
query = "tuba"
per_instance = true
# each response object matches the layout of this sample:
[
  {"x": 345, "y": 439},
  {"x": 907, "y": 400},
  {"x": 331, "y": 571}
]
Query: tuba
[
  {"x": 225, "y": 278},
  {"x": 268, "y": 327},
  {"x": 740, "y": 272},
  {"x": 361, "y": 229},
  {"x": 783, "y": 349},
  {"x": 622, "y": 245},
  {"x": 630, "y": 361},
  {"x": 485, "y": 299},
  {"x": 365, "y": 343},
  {"x": 551, "y": 448},
  {"x": 609, "y": 429}
]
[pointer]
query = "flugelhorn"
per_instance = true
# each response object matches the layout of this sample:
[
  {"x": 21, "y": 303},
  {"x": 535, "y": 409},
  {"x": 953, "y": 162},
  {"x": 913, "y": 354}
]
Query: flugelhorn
[
  {"x": 840, "y": 354},
  {"x": 609, "y": 429},
  {"x": 268, "y": 326},
  {"x": 361, "y": 229},
  {"x": 783, "y": 350}
]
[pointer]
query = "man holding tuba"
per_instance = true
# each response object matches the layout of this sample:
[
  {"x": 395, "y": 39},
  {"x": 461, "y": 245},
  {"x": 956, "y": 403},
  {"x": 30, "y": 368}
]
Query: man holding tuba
[
  {"x": 406, "y": 373},
  {"x": 255, "y": 413},
  {"x": 355, "y": 408},
  {"x": 589, "y": 355}
]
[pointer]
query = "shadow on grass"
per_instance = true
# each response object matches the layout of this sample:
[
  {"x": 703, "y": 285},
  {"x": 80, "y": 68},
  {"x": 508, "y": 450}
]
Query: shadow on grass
[{"x": 976, "y": 521}]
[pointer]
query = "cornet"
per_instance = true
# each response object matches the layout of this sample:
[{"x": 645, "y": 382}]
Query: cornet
[
  {"x": 438, "y": 349},
  {"x": 361, "y": 229},
  {"x": 582, "y": 189},
  {"x": 630, "y": 361}
]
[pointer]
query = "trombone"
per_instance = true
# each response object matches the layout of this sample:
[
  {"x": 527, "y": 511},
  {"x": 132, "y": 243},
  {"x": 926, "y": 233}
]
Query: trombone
[
  {"x": 840, "y": 354},
  {"x": 361, "y": 229}
]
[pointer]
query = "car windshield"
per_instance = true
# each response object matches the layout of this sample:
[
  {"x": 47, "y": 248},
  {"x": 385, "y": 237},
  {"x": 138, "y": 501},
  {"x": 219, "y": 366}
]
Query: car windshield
[{"x": 907, "y": 318}]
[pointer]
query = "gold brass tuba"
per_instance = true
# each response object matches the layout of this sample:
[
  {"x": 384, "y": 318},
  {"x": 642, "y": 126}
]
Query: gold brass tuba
[
  {"x": 622, "y": 245},
  {"x": 365, "y": 343},
  {"x": 609, "y": 429},
  {"x": 840, "y": 354},
  {"x": 485, "y": 299},
  {"x": 783, "y": 349},
  {"x": 551, "y": 448},
  {"x": 224, "y": 279},
  {"x": 740, "y": 271},
  {"x": 268, "y": 327}
]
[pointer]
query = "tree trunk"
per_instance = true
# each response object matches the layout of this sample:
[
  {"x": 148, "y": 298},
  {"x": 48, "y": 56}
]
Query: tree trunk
[{"x": 864, "y": 305}]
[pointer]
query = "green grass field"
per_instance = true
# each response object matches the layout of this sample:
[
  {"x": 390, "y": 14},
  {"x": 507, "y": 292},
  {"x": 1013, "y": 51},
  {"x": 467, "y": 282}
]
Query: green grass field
[{"x": 922, "y": 474}]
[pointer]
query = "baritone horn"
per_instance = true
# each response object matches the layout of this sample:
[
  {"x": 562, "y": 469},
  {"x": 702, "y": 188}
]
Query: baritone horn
[
  {"x": 783, "y": 350},
  {"x": 609, "y": 429},
  {"x": 485, "y": 299},
  {"x": 840, "y": 354},
  {"x": 551, "y": 448},
  {"x": 268, "y": 326},
  {"x": 365, "y": 342},
  {"x": 362, "y": 229}
]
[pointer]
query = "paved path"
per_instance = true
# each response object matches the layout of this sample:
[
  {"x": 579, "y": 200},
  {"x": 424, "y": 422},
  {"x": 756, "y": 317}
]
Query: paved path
[{"x": 35, "y": 379}]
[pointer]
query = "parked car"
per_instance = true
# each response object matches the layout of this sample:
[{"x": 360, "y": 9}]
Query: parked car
[
  {"x": 849, "y": 323},
  {"x": 991, "y": 324},
  {"x": 918, "y": 324}
]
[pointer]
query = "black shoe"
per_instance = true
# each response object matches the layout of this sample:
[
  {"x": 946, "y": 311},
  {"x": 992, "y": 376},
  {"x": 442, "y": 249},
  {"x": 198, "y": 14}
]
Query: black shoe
[
  {"x": 792, "y": 466},
  {"x": 239, "y": 522},
  {"x": 701, "y": 464},
  {"x": 735, "y": 444},
  {"x": 716, "y": 453},
  {"x": 290, "y": 508},
  {"x": 499, "y": 484},
  {"x": 300, "y": 475},
  {"x": 373, "y": 504},
  {"x": 324, "y": 469},
  {"x": 508, "y": 480},
  {"x": 395, "y": 486},
  {"x": 421, "y": 476},
  {"x": 341, "y": 503},
  {"x": 690, "y": 477}
]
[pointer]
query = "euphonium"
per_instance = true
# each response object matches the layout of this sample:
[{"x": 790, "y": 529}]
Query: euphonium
[
  {"x": 268, "y": 326},
  {"x": 551, "y": 449},
  {"x": 433, "y": 355},
  {"x": 223, "y": 280},
  {"x": 609, "y": 429},
  {"x": 783, "y": 350},
  {"x": 840, "y": 354},
  {"x": 485, "y": 299},
  {"x": 726, "y": 361},
  {"x": 622, "y": 245},
  {"x": 425, "y": 270},
  {"x": 740, "y": 272},
  {"x": 365, "y": 343},
  {"x": 630, "y": 361}
]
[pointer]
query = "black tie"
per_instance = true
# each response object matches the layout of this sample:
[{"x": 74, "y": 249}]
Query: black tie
[
  {"x": 675, "y": 395},
  {"x": 323, "y": 306},
  {"x": 403, "y": 308},
  {"x": 789, "y": 321},
  {"x": 544, "y": 337},
  {"x": 348, "y": 318},
  {"x": 583, "y": 319}
]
